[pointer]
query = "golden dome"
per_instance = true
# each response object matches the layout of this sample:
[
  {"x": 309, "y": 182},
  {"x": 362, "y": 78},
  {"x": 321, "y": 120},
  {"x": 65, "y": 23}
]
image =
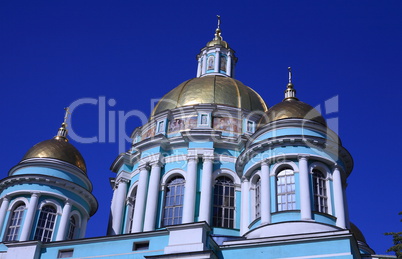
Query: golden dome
[
  {"x": 57, "y": 148},
  {"x": 211, "y": 89},
  {"x": 292, "y": 108}
]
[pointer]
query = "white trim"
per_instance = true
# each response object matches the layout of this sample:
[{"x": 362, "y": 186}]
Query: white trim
[
  {"x": 50, "y": 202},
  {"x": 279, "y": 167},
  {"x": 230, "y": 173},
  {"x": 12, "y": 204},
  {"x": 166, "y": 177}
]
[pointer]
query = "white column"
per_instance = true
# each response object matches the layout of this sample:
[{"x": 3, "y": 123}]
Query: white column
[
  {"x": 117, "y": 219},
  {"x": 199, "y": 68},
  {"x": 190, "y": 190},
  {"x": 229, "y": 64},
  {"x": 217, "y": 61},
  {"x": 305, "y": 200},
  {"x": 64, "y": 221},
  {"x": 204, "y": 63},
  {"x": 26, "y": 228},
  {"x": 206, "y": 189},
  {"x": 140, "y": 200},
  {"x": 3, "y": 211},
  {"x": 265, "y": 195},
  {"x": 245, "y": 206},
  {"x": 338, "y": 199},
  {"x": 152, "y": 199}
]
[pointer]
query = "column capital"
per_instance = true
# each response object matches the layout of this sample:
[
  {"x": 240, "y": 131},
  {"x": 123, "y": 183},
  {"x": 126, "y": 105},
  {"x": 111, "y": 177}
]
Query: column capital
[
  {"x": 156, "y": 163},
  {"x": 35, "y": 194},
  {"x": 122, "y": 180},
  {"x": 244, "y": 180},
  {"x": 208, "y": 158},
  {"x": 303, "y": 156},
  {"x": 144, "y": 166},
  {"x": 264, "y": 163},
  {"x": 192, "y": 157}
]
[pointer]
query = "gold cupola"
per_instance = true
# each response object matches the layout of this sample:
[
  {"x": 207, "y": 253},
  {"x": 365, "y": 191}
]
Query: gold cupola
[
  {"x": 292, "y": 108},
  {"x": 57, "y": 148},
  {"x": 216, "y": 58},
  {"x": 214, "y": 83}
]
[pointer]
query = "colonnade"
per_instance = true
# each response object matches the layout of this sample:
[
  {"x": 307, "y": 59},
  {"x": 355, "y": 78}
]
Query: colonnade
[
  {"x": 32, "y": 209},
  {"x": 146, "y": 206}
]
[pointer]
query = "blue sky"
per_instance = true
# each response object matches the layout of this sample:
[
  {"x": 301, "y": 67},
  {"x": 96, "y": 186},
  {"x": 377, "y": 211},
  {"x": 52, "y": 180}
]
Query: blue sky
[{"x": 53, "y": 53}]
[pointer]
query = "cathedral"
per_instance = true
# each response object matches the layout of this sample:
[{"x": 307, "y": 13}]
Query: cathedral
[{"x": 214, "y": 173}]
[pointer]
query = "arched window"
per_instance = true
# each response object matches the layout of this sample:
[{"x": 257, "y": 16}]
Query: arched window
[
  {"x": 131, "y": 208},
  {"x": 285, "y": 190},
  {"x": 223, "y": 212},
  {"x": 71, "y": 228},
  {"x": 174, "y": 194},
  {"x": 15, "y": 223},
  {"x": 320, "y": 192},
  {"x": 45, "y": 227},
  {"x": 257, "y": 204}
]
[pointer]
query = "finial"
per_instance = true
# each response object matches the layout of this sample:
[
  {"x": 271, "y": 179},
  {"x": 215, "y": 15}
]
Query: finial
[
  {"x": 67, "y": 109},
  {"x": 290, "y": 74},
  {"x": 218, "y": 29},
  {"x": 62, "y": 133},
  {"x": 290, "y": 92}
]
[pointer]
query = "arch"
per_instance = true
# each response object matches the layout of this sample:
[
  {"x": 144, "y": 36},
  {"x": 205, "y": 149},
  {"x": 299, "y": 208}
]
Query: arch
[
  {"x": 130, "y": 206},
  {"x": 173, "y": 200},
  {"x": 223, "y": 171},
  {"x": 72, "y": 227},
  {"x": 77, "y": 214},
  {"x": 223, "y": 213},
  {"x": 321, "y": 197},
  {"x": 16, "y": 202},
  {"x": 285, "y": 189},
  {"x": 15, "y": 221},
  {"x": 255, "y": 194},
  {"x": 53, "y": 202},
  {"x": 287, "y": 164},
  {"x": 323, "y": 168},
  {"x": 171, "y": 173},
  {"x": 46, "y": 222}
]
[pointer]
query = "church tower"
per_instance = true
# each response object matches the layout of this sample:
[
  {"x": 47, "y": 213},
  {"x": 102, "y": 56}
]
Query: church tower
[{"x": 47, "y": 196}]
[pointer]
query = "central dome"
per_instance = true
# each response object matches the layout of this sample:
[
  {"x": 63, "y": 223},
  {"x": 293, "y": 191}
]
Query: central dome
[{"x": 212, "y": 89}]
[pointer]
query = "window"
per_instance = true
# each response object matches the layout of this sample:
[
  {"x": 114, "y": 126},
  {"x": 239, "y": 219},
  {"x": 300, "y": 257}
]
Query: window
[
  {"x": 161, "y": 127},
  {"x": 65, "y": 253},
  {"x": 223, "y": 211},
  {"x": 71, "y": 228},
  {"x": 320, "y": 192},
  {"x": 285, "y": 189},
  {"x": 140, "y": 246},
  {"x": 15, "y": 223},
  {"x": 250, "y": 127},
  {"x": 44, "y": 229},
  {"x": 131, "y": 208},
  {"x": 174, "y": 194},
  {"x": 257, "y": 205},
  {"x": 204, "y": 119}
]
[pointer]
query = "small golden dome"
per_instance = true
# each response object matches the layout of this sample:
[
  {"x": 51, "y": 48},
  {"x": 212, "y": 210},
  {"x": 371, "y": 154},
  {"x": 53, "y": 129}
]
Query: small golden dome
[
  {"x": 212, "y": 89},
  {"x": 292, "y": 108},
  {"x": 57, "y": 148}
]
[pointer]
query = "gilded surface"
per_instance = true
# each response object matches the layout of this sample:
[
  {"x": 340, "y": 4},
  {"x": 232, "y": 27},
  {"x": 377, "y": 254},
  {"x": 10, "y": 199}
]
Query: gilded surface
[
  {"x": 212, "y": 90},
  {"x": 57, "y": 148},
  {"x": 293, "y": 109}
]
